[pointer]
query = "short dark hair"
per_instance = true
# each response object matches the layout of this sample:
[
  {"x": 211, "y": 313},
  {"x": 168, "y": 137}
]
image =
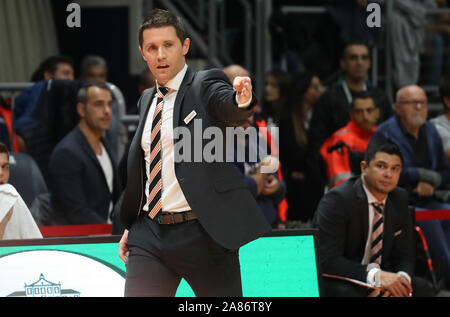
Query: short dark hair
[
  {"x": 159, "y": 18},
  {"x": 50, "y": 65},
  {"x": 92, "y": 60},
  {"x": 83, "y": 92},
  {"x": 444, "y": 88},
  {"x": 377, "y": 145},
  {"x": 4, "y": 149},
  {"x": 352, "y": 42},
  {"x": 361, "y": 95}
]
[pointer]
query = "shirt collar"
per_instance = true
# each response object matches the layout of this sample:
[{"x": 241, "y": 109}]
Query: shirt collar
[{"x": 175, "y": 83}]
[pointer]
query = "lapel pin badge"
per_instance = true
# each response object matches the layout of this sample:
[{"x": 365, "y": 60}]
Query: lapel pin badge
[{"x": 190, "y": 117}]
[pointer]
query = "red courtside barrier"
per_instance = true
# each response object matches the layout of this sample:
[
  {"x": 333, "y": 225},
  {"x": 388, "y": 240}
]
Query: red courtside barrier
[
  {"x": 76, "y": 230},
  {"x": 105, "y": 229},
  {"x": 432, "y": 214}
]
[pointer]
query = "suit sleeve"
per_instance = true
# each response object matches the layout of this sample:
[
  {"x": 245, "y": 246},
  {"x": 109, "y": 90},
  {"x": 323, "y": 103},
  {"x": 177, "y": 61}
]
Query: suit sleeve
[
  {"x": 220, "y": 98},
  {"x": 67, "y": 189}
]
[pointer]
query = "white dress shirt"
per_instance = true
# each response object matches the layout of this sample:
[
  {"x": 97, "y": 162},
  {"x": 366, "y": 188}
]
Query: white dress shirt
[
  {"x": 372, "y": 277},
  {"x": 173, "y": 199},
  {"x": 105, "y": 163}
]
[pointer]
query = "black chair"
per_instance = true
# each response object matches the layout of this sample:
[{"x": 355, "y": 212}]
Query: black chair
[
  {"x": 424, "y": 265},
  {"x": 26, "y": 177}
]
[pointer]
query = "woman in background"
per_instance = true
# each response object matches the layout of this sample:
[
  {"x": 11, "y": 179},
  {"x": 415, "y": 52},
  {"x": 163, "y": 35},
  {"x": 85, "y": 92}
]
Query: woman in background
[
  {"x": 276, "y": 92},
  {"x": 302, "y": 173}
]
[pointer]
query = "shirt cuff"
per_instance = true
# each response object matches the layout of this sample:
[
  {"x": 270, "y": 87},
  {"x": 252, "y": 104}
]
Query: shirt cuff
[
  {"x": 406, "y": 275},
  {"x": 244, "y": 105},
  {"x": 372, "y": 278}
]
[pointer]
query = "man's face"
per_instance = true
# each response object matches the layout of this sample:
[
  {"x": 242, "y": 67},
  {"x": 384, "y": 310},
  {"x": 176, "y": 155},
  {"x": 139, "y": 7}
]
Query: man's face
[
  {"x": 97, "y": 113},
  {"x": 412, "y": 106},
  {"x": 381, "y": 175},
  {"x": 364, "y": 113},
  {"x": 63, "y": 71},
  {"x": 356, "y": 62},
  {"x": 164, "y": 53},
  {"x": 4, "y": 168},
  {"x": 96, "y": 73}
]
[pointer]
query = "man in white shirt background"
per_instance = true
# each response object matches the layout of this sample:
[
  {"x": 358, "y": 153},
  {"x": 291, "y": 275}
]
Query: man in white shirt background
[
  {"x": 83, "y": 178},
  {"x": 16, "y": 221}
]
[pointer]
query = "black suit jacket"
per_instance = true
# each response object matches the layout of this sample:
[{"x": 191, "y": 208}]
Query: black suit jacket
[
  {"x": 215, "y": 191},
  {"x": 77, "y": 182},
  {"x": 343, "y": 221}
]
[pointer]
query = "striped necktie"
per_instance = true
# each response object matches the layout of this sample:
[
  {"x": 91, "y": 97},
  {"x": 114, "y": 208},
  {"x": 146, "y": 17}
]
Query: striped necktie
[
  {"x": 376, "y": 242},
  {"x": 155, "y": 179}
]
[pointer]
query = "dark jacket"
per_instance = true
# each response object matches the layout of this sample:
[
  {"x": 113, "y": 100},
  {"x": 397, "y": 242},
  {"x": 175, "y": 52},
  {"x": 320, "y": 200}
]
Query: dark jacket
[
  {"x": 77, "y": 182},
  {"x": 215, "y": 191},
  {"x": 410, "y": 172},
  {"x": 342, "y": 218}
]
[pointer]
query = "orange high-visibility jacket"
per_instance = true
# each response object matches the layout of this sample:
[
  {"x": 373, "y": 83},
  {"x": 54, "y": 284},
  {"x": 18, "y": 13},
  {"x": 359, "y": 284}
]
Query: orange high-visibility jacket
[
  {"x": 283, "y": 205},
  {"x": 335, "y": 151}
]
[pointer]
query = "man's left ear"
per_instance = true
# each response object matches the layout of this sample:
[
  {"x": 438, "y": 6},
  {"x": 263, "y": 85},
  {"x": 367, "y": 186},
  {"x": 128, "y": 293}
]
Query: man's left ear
[{"x": 186, "y": 45}]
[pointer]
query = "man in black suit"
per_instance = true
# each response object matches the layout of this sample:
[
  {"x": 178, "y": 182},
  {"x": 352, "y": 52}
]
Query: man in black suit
[
  {"x": 346, "y": 216},
  {"x": 83, "y": 178},
  {"x": 192, "y": 226}
]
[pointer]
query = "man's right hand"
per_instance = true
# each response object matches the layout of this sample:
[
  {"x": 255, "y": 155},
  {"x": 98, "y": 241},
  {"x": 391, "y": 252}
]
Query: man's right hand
[
  {"x": 260, "y": 179},
  {"x": 123, "y": 247},
  {"x": 396, "y": 284},
  {"x": 424, "y": 189}
]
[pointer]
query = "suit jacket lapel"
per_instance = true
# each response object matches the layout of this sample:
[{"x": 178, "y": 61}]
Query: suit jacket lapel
[
  {"x": 91, "y": 154},
  {"x": 185, "y": 84},
  {"x": 363, "y": 206},
  {"x": 387, "y": 225},
  {"x": 144, "y": 106},
  {"x": 86, "y": 146},
  {"x": 388, "y": 216},
  {"x": 143, "y": 112}
]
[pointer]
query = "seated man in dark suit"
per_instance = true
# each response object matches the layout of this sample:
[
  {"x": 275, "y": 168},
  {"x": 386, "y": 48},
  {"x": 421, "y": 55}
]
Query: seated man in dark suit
[
  {"x": 83, "y": 178},
  {"x": 365, "y": 229}
]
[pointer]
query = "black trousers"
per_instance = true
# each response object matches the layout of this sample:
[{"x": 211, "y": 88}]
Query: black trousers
[{"x": 160, "y": 255}]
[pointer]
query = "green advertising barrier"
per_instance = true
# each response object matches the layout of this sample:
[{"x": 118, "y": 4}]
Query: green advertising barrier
[{"x": 283, "y": 264}]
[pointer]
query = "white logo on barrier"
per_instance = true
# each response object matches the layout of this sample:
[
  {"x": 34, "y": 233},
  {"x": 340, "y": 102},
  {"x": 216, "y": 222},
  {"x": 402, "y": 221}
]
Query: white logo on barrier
[
  {"x": 60, "y": 273},
  {"x": 44, "y": 288}
]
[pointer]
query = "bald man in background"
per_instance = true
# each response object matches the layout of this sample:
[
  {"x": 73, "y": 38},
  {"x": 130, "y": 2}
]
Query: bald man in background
[{"x": 232, "y": 71}]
